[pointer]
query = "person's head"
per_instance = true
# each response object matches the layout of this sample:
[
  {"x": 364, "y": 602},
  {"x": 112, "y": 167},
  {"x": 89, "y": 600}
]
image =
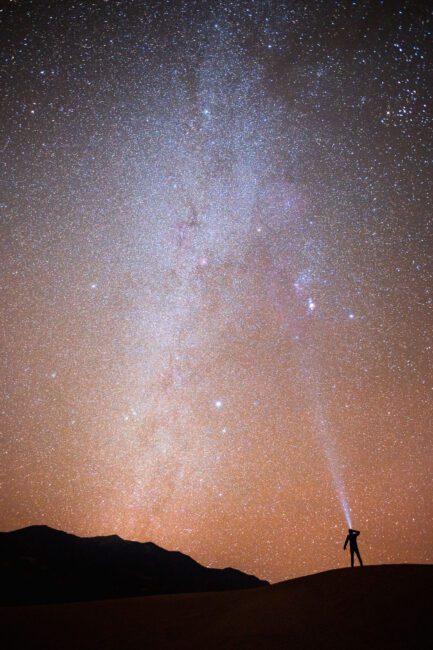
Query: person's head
[{"x": 350, "y": 530}]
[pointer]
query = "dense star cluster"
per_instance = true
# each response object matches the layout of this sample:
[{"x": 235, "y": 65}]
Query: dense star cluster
[{"x": 216, "y": 277}]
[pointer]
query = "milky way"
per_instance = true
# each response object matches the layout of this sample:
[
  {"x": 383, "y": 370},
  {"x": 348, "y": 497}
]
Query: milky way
[{"x": 216, "y": 279}]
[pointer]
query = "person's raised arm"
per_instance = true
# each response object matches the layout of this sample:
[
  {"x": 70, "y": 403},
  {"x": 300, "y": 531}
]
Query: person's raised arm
[{"x": 356, "y": 532}]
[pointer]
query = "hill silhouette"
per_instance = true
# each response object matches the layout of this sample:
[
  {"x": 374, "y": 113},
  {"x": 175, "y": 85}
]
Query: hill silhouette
[
  {"x": 39, "y": 564},
  {"x": 374, "y": 608}
]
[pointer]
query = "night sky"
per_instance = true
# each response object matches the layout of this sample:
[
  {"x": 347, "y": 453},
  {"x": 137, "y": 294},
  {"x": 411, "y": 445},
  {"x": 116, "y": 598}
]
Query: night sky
[{"x": 216, "y": 247}]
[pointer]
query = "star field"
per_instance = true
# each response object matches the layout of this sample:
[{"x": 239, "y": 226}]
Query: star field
[{"x": 217, "y": 278}]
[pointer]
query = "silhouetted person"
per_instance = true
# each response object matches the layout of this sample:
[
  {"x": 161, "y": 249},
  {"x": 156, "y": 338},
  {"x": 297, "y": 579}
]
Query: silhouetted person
[{"x": 353, "y": 542}]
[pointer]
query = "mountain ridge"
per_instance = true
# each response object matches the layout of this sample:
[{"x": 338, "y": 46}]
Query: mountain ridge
[{"x": 40, "y": 564}]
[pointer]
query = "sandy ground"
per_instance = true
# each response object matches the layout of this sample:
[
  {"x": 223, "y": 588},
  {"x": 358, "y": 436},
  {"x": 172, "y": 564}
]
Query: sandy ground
[{"x": 378, "y": 607}]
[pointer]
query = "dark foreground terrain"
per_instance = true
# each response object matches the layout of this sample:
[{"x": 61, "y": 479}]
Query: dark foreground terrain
[{"x": 373, "y": 608}]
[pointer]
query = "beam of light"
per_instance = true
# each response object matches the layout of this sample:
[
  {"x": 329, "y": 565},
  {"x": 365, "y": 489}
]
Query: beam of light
[
  {"x": 312, "y": 382},
  {"x": 327, "y": 442},
  {"x": 330, "y": 451}
]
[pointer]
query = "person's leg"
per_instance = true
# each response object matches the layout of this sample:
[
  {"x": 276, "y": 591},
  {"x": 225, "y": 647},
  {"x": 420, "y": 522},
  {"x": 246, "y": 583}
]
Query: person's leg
[
  {"x": 352, "y": 559},
  {"x": 359, "y": 557}
]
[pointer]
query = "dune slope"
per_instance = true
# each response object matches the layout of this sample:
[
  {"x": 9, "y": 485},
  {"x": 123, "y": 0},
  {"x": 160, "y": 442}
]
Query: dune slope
[{"x": 376, "y": 607}]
